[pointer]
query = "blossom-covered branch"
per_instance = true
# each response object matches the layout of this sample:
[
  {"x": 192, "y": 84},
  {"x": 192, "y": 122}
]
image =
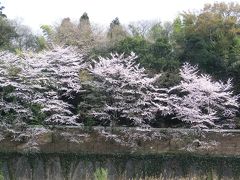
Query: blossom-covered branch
[
  {"x": 201, "y": 101},
  {"x": 48, "y": 80},
  {"x": 132, "y": 94}
]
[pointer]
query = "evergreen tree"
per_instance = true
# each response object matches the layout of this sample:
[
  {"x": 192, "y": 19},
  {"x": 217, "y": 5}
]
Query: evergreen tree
[
  {"x": 1, "y": 9},
  {"x": 85, "y": 31},
  {"x": 7, "y": 32},
  {"x": 116, "y": 31}
]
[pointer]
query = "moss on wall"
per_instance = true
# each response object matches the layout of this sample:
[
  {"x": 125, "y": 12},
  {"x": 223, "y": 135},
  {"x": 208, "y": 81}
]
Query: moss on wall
[{"x": 135, "y": 166}]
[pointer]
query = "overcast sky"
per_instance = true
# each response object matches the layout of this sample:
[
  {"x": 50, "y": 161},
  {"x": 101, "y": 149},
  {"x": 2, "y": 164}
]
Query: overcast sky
[{"x": 37, "y": 12}]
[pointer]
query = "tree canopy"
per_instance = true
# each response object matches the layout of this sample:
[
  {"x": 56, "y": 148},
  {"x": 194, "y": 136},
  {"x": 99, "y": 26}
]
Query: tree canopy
[{"x": 186, "y": 70}]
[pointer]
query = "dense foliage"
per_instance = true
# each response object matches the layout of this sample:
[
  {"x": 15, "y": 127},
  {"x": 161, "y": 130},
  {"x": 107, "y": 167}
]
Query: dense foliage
[
  {"x": 50, "y": 87},
  {"x": 64, "y": 85}
]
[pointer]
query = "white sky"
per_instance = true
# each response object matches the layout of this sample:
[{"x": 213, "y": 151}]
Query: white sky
[{"x": 37, "y": 12}]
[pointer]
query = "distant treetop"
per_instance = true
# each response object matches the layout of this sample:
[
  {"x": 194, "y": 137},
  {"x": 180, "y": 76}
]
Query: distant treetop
[{"x": 1, "y": 8}]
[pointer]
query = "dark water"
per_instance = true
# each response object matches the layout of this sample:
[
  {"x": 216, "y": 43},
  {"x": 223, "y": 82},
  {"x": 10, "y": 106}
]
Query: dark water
[{"x": 77, "y": 167}]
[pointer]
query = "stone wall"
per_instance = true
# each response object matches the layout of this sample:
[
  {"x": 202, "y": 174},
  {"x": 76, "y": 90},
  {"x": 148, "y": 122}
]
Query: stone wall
[
  {"x": 116, "y": 167},
  {"x": 72, "y": 153},
  {"x": 126, "y": 140}
]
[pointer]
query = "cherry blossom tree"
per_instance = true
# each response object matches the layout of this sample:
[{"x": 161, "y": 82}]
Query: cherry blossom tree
[
  {"x": 131, "y": 93},
  {"x": 50, "y": 88},
  {"x": 48, "y": 81},
  {"x": 201, "y": 101}
]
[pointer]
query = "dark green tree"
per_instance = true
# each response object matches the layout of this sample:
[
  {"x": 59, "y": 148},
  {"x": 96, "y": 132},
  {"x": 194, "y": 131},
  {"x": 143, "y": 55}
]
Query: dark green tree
[
  {"x": 7, "y": 33},
  {"x": 1, "y": 13},
  {"x": 210, "y": 39}
]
